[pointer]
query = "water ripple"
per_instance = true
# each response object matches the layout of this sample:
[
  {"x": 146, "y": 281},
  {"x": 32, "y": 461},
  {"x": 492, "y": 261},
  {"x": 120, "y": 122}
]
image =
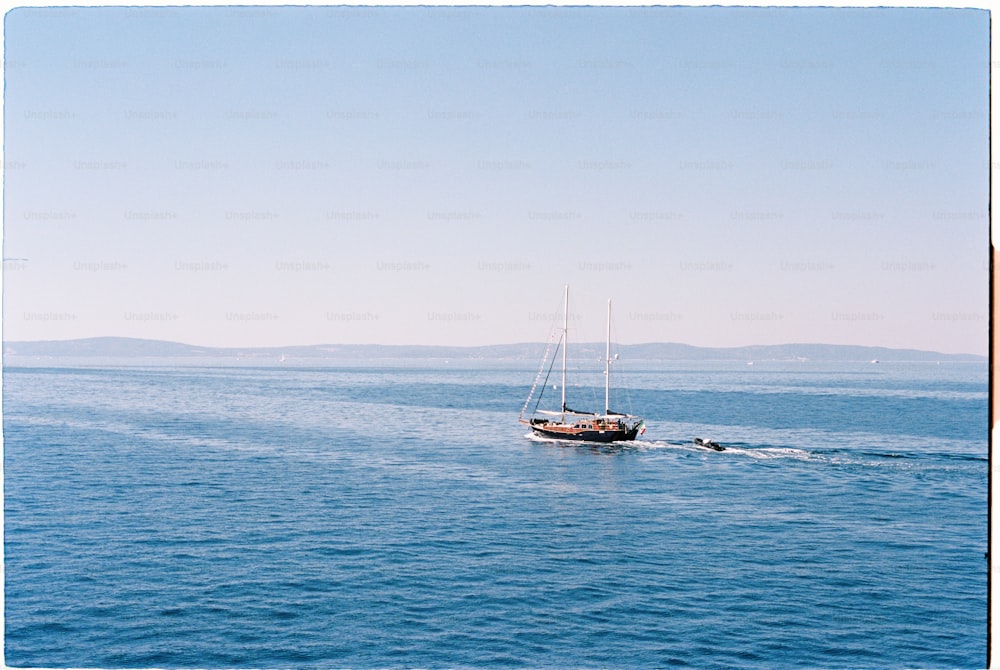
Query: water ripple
[{"x": 234, "y": 518}]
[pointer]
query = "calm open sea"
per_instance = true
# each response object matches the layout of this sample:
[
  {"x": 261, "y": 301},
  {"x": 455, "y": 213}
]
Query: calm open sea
[{"x": 398, "y": 516}]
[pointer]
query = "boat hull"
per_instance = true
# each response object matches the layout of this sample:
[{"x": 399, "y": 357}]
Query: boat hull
[{"x": 578, "y": 435}]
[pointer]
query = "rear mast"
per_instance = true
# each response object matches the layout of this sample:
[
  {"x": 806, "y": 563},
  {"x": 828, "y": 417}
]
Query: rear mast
[{"x": 607, "y": 365}]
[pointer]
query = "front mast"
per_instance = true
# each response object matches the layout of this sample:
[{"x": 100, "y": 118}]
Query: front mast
[{"x": 565, "y": 336}]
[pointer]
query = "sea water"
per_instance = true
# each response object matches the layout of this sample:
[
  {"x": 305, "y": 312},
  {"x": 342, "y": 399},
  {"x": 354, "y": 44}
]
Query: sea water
[{"x": 392, "y": 515}]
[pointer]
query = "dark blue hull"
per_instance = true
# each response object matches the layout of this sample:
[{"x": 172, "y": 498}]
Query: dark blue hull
[{"x": 603, "y": 436}]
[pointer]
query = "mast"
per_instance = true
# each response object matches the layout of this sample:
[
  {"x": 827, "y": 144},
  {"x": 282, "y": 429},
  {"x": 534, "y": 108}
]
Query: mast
[
  {"x": 565, "y": 335},
  {"x": 607, "y": 365}
]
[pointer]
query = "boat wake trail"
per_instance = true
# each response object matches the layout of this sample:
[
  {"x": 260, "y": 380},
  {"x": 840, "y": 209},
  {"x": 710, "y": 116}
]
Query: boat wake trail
[
  {"x": 535, "y": 437},
  {"x": 762, "y": 452},
  {"x": 758, "y": 452},
  {"x": 839, "y": 457}
]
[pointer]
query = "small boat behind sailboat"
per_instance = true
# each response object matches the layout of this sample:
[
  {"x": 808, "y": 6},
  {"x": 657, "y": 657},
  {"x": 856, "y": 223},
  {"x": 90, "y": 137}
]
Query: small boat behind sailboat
[{"x": 570, "y": 424}]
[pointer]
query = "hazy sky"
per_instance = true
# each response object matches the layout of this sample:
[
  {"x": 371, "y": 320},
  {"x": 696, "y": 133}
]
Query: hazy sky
[{"x": 270, "y": 176}]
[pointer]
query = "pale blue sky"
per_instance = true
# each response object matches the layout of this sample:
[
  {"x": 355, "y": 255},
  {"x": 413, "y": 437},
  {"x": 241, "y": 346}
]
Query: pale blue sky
[{"x": 271, "y": 176}]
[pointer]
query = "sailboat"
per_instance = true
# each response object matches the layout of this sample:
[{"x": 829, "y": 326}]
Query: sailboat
[{"x": 570, "y": 424}]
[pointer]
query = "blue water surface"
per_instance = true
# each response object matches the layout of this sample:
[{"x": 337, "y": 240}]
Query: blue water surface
[{"x": 377, "y": 516}]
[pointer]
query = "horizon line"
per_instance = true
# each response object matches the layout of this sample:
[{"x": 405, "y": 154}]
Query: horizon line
[{"x": 5, "y": 342}]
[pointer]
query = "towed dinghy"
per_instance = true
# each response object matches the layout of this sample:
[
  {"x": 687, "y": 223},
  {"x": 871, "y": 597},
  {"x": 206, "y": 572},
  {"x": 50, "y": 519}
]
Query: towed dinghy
[{"x": 709, "y": 444}]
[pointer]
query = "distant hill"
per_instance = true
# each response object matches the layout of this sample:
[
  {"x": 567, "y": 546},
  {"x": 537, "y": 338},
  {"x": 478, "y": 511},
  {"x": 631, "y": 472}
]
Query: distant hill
[
  {"x": 126, "y": 347},
  {"x": 789, "y": 352}
]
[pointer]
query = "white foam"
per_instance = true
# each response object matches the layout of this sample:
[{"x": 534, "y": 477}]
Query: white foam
[{"x": 772, "y": 452}]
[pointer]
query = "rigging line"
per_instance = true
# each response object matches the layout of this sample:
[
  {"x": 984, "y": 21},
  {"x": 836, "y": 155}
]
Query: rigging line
[
  {"x": 546, "y": 382},
  {"x": 548, "y": 347},
  {"x": 621, "y": 377},
  {"x": 541, "y": 368},
  {"x": 593, "y": 393},
  {"x": 628, "y": 396}
]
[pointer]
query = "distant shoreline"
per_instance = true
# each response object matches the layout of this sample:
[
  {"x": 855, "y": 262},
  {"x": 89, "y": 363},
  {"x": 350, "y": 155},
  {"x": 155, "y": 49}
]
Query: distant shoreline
[{"x": 126, "y": 347}]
